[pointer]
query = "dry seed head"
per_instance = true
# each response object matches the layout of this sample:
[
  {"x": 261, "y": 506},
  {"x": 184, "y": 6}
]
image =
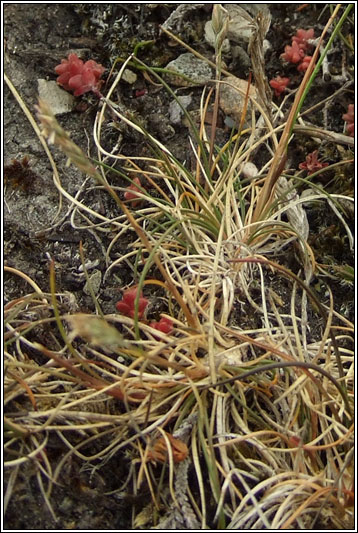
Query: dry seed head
[
  {"x": 220, "y": 22},
  {"x": 96, "y": 331},
  {"x": 217, "y": 18}
]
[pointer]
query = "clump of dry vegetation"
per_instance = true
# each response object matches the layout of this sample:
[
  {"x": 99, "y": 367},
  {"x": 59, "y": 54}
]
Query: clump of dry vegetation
[{"x": 241, "y": 415}]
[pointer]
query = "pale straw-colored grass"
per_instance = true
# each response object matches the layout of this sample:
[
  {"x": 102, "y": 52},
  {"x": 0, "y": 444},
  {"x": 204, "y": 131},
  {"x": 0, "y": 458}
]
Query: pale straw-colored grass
[{"x": 260, "y": 395}]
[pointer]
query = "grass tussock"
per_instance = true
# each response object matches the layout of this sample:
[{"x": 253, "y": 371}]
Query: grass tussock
[{"x": 242, "y": 416}]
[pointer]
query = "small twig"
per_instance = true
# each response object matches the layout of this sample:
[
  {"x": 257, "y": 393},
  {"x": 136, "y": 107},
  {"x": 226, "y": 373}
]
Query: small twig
[
  {"x": 327, "y": 135},
  {"x": 280, "y": 156}
]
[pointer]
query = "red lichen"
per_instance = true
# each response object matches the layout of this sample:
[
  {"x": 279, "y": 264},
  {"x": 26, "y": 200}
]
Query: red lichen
[
  {"x": 312, "y": 164},
  {"x": 293, "y": 54},
  {"x": 302, "y": 37},
  {"x": 140, "y": 92},
  {"x": 296, "y": 53},
  {"x": 126, "y": 306},
  {"x": 303, "y": 66},
  {"x": 165, "y": 325},
  {"x": 279, "y": 84},
  {"x": 131, "y": 193},
  {"x": 349, "y": 119},
  {"x": 79, "y": 77}
]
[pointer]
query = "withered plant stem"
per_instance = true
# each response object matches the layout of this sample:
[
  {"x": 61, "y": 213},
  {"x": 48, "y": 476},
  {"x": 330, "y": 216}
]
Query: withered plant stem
[{"x": 279, "y": 159}]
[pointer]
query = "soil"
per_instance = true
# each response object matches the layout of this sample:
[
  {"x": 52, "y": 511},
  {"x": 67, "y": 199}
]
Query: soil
[{"x": 37, "y": 37}]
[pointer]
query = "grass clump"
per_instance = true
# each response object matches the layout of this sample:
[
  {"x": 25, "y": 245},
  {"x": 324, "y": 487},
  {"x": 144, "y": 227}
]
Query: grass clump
[{"x": 242, "y": 396}]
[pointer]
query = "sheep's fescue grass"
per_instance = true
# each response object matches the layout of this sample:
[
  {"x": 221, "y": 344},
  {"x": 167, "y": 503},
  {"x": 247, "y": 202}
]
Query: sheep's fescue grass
[{"x": 271, "y": 450}]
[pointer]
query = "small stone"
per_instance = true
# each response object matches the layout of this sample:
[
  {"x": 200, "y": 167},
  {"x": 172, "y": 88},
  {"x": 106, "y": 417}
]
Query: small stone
[
  {"x": 95, "y": 280},
  {"x": 59, "y": 100},
  {"x": 129, "y": 77},
  {"x": 240, "y": 17},
  {"x": 175, "y": 111},
  {"x": 194, "y": 68},
  {"x": 239, "y": 28},
  {"x": 249, "y": 170},
  {"x": 181, "y": 17},
  {"x": 232, "y": 97}
]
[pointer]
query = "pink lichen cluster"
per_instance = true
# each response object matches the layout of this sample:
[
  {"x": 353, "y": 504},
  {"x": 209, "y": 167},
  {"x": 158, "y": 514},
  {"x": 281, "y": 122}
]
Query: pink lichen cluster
[
  {"x": 297, "y": 52},
  {"x": 126, "y": 306},
  {"x": 312, "y": 164},
  {"x": 349, "y": 119},
  {"x": 279, "y": 84},
  {"x": 165, "y": 325},
  {"x": 303, "y": 66},
  {"x": 293, "y": 54},
  {"x": 131, "y": 193},
  {"x": 79, "y": 77},
  {"x": 302, "y": 37}
]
